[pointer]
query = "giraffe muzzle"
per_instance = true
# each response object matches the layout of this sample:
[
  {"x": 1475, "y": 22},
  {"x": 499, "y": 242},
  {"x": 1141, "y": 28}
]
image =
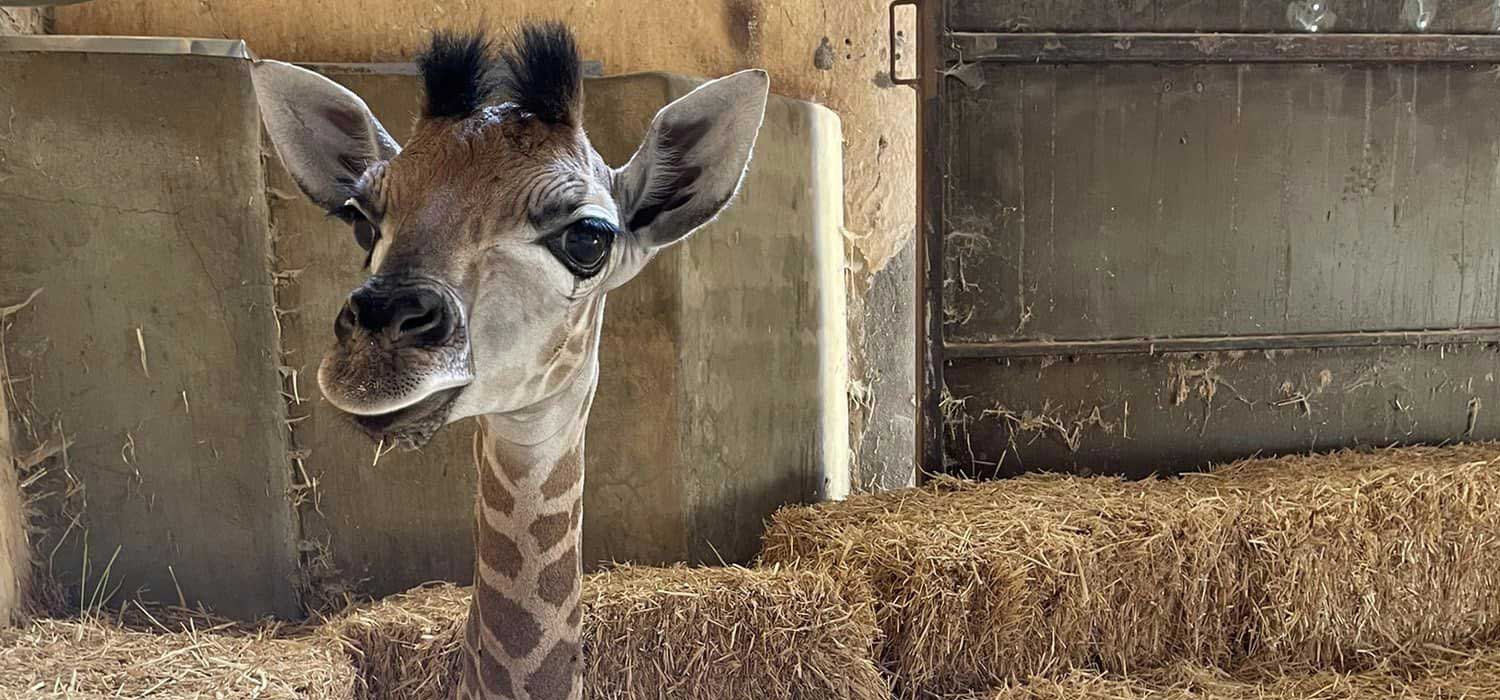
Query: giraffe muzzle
[{"x": 401, "y": 357}]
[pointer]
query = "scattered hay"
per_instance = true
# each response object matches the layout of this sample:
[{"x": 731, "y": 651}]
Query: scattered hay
[
  {"x": 407, "y": 646},
  {"x": 651, "y": 633},
  {"x": 99, "y": 659},
  {"x": 1331, "y": 560},
  {"x": 1476, "y": 676},
  {"x": 729, "y": 633}
]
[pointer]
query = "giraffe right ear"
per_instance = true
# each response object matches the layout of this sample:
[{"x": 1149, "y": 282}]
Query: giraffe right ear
[{"x": 326, "y": 136}]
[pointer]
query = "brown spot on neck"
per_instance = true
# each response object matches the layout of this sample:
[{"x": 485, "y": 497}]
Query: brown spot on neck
[
  {"x": 558, "y": 581},
  {"x": 492, "y": 492},
  {"x": 565, "y": 474},
  {"x": 548, "y": 530},
  {"x": 498, "y": 552},
  {"x": 515, "y": 470},
  {"x": 494, "y": 677},
  {"x": 553, "y": 680},
  {"x": 513, "y": 626}
]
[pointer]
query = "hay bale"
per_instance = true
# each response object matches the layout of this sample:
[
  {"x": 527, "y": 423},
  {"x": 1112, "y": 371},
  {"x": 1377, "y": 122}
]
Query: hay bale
[
  {"x": 1475, "y": 676},
  {"x": 1331, "y": 560},
  {"x": 407, "y": 646},
  {"x": 96, "y": 659},
  {"x": 651, "y": 633}
]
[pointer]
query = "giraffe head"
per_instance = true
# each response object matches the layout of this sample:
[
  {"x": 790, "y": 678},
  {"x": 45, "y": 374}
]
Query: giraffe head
[{"x": 493, "y": 235}]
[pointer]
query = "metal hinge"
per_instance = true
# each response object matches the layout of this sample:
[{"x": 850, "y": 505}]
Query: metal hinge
[{"x": 892, "y": 46}]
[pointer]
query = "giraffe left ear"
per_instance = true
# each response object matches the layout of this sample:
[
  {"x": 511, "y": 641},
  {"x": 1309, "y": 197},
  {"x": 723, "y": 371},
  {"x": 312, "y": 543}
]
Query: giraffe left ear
[
  {"x": 325, "y": 134},
  {"x": 693, "y": 159}
]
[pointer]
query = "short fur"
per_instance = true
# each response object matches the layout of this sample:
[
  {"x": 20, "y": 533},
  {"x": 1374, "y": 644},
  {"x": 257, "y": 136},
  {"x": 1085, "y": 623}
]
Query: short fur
[
  {"x": 543, "y": 74},
  {"x": 458, "y": 74}
]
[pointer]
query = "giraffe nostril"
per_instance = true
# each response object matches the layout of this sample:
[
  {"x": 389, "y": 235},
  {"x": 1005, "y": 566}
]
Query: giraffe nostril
[
  {"x": 420, "y": 318},
  {"x": 344, "y": 324},
  {"x": 421, "y": 323},
  {"x": 406, "y": 316}
]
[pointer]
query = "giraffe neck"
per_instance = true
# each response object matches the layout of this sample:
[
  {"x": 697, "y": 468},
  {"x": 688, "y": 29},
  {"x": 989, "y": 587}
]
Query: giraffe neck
[{"x": 522, "y": 636}]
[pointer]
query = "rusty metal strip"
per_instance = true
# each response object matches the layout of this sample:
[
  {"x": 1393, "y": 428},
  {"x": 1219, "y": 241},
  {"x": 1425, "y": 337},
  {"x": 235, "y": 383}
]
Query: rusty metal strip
[
  {"x": 932, "y": 164},
  {"x": 1048, "y": 48},
  {"x": 1147, "y": 346}
]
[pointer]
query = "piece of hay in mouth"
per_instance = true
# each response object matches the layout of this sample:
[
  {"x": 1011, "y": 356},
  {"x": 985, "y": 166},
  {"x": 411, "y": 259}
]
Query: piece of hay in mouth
[
  {"x": 95, "y": 658},
  {"x": 1331, "y": 560},
  {"x": 680, "y": 632},
  {"x": 1453, "y": 677}
]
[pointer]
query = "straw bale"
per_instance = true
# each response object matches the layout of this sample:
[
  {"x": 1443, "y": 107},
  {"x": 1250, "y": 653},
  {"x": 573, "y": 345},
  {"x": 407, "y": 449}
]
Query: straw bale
[
  {"x": 1458, "y": 677},
  {"x": 651, "y": 633},
  {"x": 1332, "y": 560},
  {"x": 96, "y": 658}
]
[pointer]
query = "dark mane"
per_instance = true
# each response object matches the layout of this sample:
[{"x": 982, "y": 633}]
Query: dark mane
[
  {"x": 542, "y": 73},
  {"x": 457, "y": 73}
]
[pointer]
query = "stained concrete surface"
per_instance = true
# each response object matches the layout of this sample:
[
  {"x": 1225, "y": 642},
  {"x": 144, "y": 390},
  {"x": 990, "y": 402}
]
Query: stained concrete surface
[
  {"x": 883, "y": 396},
  {"x": 132, "y": 195}
]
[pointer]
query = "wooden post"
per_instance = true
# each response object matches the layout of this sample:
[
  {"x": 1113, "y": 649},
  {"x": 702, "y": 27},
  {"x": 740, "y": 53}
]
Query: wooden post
[{"x": 15, "y": 555}]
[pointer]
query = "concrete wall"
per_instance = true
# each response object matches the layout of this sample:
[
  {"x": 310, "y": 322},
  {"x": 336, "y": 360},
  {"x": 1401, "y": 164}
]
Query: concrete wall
[
  {"x": 22, "y": 20},
  {"x": 832, "y": 52},
  {"x": 133, "y": 196},
  {"x": 721, "y": 391}
]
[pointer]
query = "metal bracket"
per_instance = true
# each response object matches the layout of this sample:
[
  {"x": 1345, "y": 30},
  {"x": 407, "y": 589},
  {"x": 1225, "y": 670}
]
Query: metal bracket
[{"x": 891, "y": 37}]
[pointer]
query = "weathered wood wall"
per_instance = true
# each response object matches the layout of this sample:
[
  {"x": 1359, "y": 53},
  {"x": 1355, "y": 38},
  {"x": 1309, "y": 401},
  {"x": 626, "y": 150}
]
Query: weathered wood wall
[
  {"x": 1163, "y": 250},
  {"x": 832, "y": 52},
  {"x": 15, "y": 553}
]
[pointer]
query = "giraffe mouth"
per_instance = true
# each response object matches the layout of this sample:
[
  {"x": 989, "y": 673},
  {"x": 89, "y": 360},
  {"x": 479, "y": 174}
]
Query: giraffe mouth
[{"x": 411, "y": 427}]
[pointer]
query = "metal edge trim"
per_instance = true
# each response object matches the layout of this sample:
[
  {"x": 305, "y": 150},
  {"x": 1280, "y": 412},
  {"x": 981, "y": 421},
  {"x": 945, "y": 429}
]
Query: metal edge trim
[
  {"x": 1050, "y": 48},
  {"x": 591, "y": 69},
  {"x": 147, "y": 45},
  {"x": 1146, "y": 346}
]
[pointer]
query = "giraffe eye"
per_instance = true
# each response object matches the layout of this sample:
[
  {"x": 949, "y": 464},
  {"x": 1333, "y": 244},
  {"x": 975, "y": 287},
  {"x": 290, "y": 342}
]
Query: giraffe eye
[
  {"x": 365, "y": 234},
  {"x": 583, "y": 247}
]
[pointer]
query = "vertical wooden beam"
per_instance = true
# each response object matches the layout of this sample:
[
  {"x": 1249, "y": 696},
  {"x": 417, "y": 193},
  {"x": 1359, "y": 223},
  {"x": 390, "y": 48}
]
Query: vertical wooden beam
[
  {"x": 15, "y": 555},
  {"x": 931, "y": 27}
]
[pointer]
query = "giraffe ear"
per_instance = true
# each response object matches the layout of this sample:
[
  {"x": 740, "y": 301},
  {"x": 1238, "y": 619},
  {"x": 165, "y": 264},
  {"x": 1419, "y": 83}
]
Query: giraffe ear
[
  {"x": 693, "y": 159},
  {"x": 325, "y": 134}
]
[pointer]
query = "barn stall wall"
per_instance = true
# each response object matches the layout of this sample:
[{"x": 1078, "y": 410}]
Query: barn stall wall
[
  {"x": 187, "y": 293},
  {"x": 1154, "y": 250},
  {"x": 833, "y": 52},
  {"x": 152, "y": 343}
]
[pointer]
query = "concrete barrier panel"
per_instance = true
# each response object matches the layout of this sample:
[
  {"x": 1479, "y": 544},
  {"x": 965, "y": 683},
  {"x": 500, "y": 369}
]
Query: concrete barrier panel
[{"x": 131, "y": 191}]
